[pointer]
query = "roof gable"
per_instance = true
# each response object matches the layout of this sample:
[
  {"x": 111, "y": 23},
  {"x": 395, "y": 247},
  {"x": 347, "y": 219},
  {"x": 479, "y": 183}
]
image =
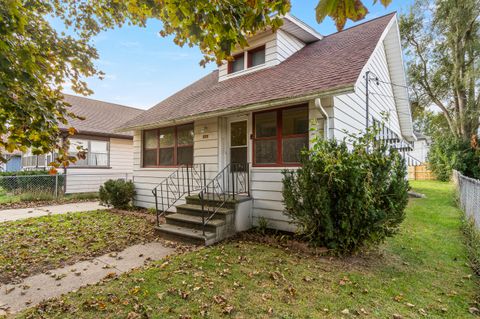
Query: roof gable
[{"x": 333, "y": 63}]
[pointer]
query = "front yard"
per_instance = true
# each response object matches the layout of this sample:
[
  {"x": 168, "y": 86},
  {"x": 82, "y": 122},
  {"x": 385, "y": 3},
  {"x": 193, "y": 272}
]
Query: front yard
[
  {"x": 34, "y": 199},
  {"x": 36, "y": 244},
  {"x": 422, "y": 272}
]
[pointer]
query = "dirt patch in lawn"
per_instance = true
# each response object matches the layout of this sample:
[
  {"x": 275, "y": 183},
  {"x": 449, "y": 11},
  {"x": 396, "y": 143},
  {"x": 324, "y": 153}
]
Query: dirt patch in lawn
[{"x": 37, "y": 244}]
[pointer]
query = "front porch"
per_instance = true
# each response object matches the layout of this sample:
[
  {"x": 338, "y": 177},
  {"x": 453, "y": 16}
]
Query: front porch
[{"x": 213, "y": 210}]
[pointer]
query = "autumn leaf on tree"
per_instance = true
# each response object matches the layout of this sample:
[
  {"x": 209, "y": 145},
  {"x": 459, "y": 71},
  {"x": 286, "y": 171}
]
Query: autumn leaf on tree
[{"x": 342, "y": 10}]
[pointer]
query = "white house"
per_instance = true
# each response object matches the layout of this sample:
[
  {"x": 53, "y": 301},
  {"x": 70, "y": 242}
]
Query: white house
[
  {"x": 109, "y": 154},
  {"x": 421, "y": 147},
  {"x": 258, "y": 109}
]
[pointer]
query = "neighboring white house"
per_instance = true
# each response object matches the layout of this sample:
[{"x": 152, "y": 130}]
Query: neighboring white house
[
  {"x": 109, "y": 154},
  {"x": 420, "y": 146},
  {"x": 258, "y": 109}
]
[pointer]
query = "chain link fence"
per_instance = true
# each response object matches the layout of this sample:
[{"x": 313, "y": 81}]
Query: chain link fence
[
  {"x": 34, "y": 187},
  {"x": 469, "y": 196}
]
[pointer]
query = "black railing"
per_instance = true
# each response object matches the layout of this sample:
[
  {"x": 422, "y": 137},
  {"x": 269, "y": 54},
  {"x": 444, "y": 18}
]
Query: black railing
[
  {"x": 228, "y": 185},
  {"x": 185, "y": 180}
]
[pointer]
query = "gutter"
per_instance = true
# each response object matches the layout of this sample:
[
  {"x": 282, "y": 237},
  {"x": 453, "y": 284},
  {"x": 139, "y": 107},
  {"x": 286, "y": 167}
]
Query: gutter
[{"x": 318, "y": 104}]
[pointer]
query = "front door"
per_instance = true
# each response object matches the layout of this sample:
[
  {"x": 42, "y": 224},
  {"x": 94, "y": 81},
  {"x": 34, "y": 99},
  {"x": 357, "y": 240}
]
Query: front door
[{"x": 238, "y": 143}]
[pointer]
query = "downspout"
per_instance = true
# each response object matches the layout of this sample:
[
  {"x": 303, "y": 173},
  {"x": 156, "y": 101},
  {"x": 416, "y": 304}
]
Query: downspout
[{"x": 318, "y": 104}]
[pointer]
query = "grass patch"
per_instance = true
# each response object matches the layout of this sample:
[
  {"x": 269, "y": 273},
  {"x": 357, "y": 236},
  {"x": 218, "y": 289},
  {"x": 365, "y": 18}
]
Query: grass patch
[
  {"x": 36, "y": 244},
  {"x": 31, "y": 199},
  {"x": 421, "y": 272},
  {"x": 6, "y": 198}
]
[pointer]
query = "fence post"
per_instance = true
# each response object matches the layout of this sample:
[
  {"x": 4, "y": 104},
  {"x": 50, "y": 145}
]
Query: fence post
[{"x": 56, "y": 185}]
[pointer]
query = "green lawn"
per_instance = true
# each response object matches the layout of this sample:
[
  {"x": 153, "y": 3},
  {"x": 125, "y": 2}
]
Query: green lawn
[
  {"x": 28, "y": 199},
  {"x": 420, "y": 273},
  {"x": 5, "y": 198},
  {"x": 35, "y": 244}
]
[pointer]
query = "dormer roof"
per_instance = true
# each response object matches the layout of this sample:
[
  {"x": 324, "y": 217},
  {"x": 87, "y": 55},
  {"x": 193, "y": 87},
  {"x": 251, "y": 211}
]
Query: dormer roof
[{"x": 300, "y": 29}]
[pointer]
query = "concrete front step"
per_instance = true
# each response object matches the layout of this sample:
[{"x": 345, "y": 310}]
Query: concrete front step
[
  {"x": 195, "y": 222},
  {"x": 212, "y": 200},
  {"x": 196, "y": 210},
  {"x": 190, "y": 235}
]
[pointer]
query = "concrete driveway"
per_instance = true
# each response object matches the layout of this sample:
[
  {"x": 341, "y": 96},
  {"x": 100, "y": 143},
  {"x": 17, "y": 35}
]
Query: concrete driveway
[{"x": 22, "y": 213}]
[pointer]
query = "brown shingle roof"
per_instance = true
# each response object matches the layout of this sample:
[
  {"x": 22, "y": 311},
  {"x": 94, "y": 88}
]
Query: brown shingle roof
[
  {"x": 100, "y": 117},
  {"x": 332, "y": 63}
]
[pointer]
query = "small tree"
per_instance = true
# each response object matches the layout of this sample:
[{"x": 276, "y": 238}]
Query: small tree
[
  {"x": 117, "y": 193},
  {"x": 344, "y": 198},
  {"x": 448, "y": 152}
]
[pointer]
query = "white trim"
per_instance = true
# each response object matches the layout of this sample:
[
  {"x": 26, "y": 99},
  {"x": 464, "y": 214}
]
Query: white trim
[
  {"x": 230, "y": 120},
  {"x": 309, "y": 34}
]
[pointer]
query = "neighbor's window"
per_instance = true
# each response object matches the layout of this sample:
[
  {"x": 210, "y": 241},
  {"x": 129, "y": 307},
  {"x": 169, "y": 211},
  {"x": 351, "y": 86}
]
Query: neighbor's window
[
  {"x": 280, "y": 135},
  {"x": 96, "y": 152},
  {"x": 170, "y": 146},
  {"x": 256, "y": 56}
]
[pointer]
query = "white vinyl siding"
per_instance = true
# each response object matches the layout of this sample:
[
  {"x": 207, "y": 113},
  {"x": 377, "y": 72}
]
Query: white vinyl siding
[
  {"x": 350, "y": 109},
  {"x": 81, "y": 180},
  {"x": 287, "y": 45},
  {"x": 266, "y": 186}
]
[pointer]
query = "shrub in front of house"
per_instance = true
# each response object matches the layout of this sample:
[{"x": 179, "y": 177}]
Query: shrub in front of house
[
  {"x": 345, "y": 198},
  {"x": 117, "y": 193}
]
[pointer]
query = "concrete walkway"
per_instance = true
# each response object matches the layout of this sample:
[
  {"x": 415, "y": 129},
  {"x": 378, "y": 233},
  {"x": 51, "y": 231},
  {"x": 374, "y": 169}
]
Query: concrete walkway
[
  {"x": 22, "y": 213},
  {"x": 34, "y": 289}
]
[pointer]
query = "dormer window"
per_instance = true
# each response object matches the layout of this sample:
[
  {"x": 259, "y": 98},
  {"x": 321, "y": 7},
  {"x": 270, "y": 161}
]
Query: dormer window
[
  {"x": 238, "y": 63},
  {"x": 254, "y": 57}
]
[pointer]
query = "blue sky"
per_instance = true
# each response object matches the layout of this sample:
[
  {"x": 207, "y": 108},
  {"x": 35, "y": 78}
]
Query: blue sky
[{"x": 141, "y": 68}]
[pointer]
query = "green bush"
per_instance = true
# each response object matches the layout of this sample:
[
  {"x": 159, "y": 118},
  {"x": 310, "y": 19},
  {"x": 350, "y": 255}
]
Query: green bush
[
  {"x": 344, "y": 198},
  {"x": 448, "y": 152},
  {"x": 117, "y": 193}
]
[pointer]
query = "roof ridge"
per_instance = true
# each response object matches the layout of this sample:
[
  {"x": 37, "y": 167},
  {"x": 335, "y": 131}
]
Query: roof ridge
[
  {"x": 362, "y": 23},
  {"x": 95, "y": 100}
]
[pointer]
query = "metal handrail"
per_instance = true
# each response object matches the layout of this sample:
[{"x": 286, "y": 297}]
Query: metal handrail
[
  {"x": 232, "y": 180},
  {"x": 173, "y": 187}
]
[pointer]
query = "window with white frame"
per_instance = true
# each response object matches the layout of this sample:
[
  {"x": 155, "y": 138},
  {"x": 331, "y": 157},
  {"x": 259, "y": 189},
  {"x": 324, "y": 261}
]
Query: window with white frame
[{"x": 96, "y": 152}]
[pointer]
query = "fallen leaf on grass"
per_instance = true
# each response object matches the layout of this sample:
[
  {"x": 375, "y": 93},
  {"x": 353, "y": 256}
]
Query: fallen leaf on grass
[
  {"x": 219, "y": 299},
  {"x": 228, "y": 310}
]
